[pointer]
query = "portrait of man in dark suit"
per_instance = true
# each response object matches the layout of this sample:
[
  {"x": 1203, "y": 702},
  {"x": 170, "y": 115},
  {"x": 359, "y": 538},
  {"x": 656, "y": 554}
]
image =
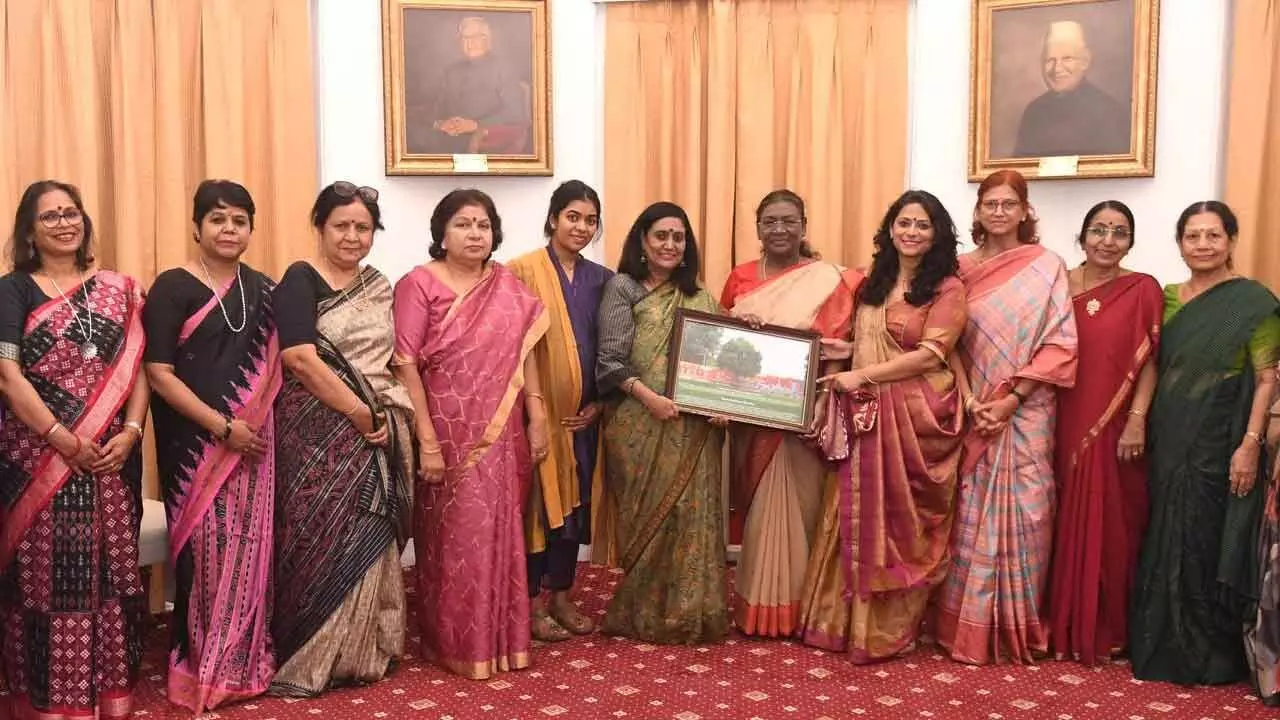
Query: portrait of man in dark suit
[
  {"x": 469, "y": 92},
  {"x": 1073, "y": 116}
]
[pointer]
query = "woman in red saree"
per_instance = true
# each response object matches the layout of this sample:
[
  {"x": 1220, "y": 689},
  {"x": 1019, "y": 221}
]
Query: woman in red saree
[
  {"x": 465, "y": 329},
  {"x": 882, "y": 547},
  {"x": 776, "y": 478},
  {"x": 71, "y": 596},
  {"x": 1101, "y": 439},
  {"x": 213, "y": 359},
  {"x": 1018, "y": 347}
]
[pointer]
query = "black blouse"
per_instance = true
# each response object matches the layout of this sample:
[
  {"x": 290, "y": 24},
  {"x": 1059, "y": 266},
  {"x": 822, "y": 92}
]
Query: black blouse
[
  {"x": 295, "y": 300},
  {"x": 19, "y": 295}
]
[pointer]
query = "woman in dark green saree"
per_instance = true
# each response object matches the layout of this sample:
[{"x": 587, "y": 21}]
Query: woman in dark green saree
[
  {"x": 1197, "y": 576},
  {"x": 663, "y": 467}
]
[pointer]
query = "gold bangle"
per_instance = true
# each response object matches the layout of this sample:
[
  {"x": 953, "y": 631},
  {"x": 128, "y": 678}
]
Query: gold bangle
[
  {"x": 55, "y": 427},
  {"x": 354, "y": 409},
  {"x": 135, "y": 426},
  {"x": 535, "y": 395},
  {"x": 1139, "y": 413},
  {"x": 437, "y": 451},
  {"x": 1257, "y": 436}
]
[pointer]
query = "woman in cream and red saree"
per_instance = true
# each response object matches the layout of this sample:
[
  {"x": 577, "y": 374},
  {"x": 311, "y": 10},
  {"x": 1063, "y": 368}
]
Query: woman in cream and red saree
[
  {"x": 663, "y": 466},
  {"x": 71, "y": 595},
  {"x": 1018, "y": 348},
  {"x": 776, "y": 477},
  {"x": 1100, "y": 463},
  {"x": 213, "y": 360},
  {"x": 562, "y": 512},
  {"x": 1197, "y": 590},
  {"x": 882, "y": 545},
  {"x": 465, "y": 332},
  {"x": 344, "y": 458}
]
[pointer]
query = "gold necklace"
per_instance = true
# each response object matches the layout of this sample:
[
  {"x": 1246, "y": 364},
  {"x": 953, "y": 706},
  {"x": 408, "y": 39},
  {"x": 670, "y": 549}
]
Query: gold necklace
[{"x": 1094, "y": 306}]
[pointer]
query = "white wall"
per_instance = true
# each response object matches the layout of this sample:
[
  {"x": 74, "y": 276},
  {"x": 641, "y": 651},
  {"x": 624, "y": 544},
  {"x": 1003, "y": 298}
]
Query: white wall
[
  {"x": 1189, "y": 134},
  {"x": 348, "y": 49}
]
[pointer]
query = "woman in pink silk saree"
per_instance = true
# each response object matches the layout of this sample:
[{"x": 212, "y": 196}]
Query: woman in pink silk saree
[
  {"x": 882, "y": 545},
  {"x": 213, "y": 360},
  {"x": 465, "y": 330},
  {"x": 1019, "y": 346},
  {"x": 776, "y": 477},
  {"x": 71, "y": 594}
]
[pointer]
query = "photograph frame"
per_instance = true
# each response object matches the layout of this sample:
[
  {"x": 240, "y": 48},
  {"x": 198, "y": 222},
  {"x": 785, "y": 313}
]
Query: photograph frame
[
  {"x": 684, "y": 318},
  {"x": 474, "y": 160},
  {"x": 1139, "y": 161}
]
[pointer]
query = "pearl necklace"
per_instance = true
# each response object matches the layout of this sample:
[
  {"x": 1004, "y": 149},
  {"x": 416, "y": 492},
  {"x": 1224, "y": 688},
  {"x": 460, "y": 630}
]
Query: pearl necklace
[{"x": 244, "y": 311}]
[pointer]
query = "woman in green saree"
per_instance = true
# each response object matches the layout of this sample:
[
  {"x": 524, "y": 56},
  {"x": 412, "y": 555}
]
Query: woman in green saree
[
  {"x": 663, "y": 467},
  {"x": 1197, "y": 573}
]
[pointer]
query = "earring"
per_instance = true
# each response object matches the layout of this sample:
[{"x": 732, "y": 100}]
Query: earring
[
  {"x": 682, "y": 263},
  {"x": 644, "y": 260}
]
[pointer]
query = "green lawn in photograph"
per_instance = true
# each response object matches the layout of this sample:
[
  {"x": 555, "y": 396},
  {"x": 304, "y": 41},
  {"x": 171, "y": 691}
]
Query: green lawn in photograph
[{"x": 716, "y": 399}]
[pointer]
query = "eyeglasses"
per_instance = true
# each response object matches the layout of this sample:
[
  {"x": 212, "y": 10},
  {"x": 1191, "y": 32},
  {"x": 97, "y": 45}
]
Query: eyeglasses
[
  {"x": 346, "y": 189},
  {"x": 1101, "y": 231},
  {"x": 1005, "y": 205},
  {"x": 789, "y": 222},
  {"x": 50, "y": 218}
]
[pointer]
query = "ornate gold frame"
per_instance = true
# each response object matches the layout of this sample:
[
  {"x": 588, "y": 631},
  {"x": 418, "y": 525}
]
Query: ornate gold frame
[
  {"x": 1146, "y": 28},
  {"x": 401, "y": 162}
]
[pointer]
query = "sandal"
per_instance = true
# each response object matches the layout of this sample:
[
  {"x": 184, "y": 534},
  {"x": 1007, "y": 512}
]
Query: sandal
[
  {"x": 569, "y": 618},
  {"x": 546, "y": 629}
]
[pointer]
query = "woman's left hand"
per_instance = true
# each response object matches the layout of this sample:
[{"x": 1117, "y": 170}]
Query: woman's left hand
[
  {"x": 1244, "y": 467},
  {"x": 753, "y": 320},
  {"x": 991, "y": 418},
  {"x": 115, "y": 451},
  {"x": 380, "y": 435},
  {"x": 1133, "y": 439},
  {"x": 819, "y": 417},
  {"x": 538, "y": 444},
  {"x": 846, "y": 381}
]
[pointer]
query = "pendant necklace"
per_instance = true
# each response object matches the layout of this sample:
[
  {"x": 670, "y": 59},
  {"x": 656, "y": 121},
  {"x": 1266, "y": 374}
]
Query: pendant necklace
[
  {"x": 244, "y": 311},
  {"x": 358, "y": 298},
  {"x": 1094, "y": 306},
  {"x": 88, "y": 350}
]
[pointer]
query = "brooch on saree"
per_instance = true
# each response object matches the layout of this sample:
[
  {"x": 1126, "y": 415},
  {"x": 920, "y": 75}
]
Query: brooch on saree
[{"x": 1093, "y": 306}]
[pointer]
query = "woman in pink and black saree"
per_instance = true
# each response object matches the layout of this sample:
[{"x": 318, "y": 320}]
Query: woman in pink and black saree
[
  {"x": 663, "y": 466},
  {"x": 896, "y": 419},
  {"x": 344, "y": 460},
  {"x": 71, "y": 596},
  {"x": 214, "y": 364},
  {"x": 465, "y": 331},
  {"x": 1018, "y": 348}
]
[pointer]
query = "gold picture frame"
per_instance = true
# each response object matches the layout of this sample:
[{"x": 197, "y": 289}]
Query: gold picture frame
[
  {"x": 1048, "y": 84},
  {"x": 467, "y": 87}
]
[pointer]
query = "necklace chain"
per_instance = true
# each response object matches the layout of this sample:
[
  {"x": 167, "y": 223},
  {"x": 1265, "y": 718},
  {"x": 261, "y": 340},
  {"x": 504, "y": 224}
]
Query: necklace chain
[
  {"x": 244, "y": 310},
  {"x": 75, "y": 312}
]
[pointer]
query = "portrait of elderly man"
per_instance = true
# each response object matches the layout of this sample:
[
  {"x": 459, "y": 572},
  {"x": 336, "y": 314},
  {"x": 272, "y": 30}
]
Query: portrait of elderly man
[
  {"x": 476, "y": 104},
  {"x": 1073, "y": 116}
]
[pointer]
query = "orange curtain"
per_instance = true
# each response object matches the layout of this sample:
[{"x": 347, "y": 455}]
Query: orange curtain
[
  {"x": 1253, "y": 137},
  {"x": 136, "y": 102},
  {"x": 713, "y": 103}
]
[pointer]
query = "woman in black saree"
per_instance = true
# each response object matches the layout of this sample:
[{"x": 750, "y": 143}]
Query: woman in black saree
[
  {"x": 214, "y": 364},
  {"x": 1197, "y": 574}
]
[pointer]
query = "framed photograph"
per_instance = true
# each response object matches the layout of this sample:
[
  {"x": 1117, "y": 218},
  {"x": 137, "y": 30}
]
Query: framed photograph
[
  {"x": 1063, "y": 88},
  {"x": 467, "y": 87},
  {"x": 718, "y": 365}
]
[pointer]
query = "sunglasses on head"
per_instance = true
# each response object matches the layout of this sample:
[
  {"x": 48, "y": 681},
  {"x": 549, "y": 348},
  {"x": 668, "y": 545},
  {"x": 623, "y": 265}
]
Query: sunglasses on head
[{"x": 346, "y": 189}]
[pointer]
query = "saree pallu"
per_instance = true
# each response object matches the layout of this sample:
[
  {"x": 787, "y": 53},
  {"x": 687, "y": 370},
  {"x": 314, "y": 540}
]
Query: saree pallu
[
  {"x": 220, "y": 505},
  {"x": 1020, "y": 327},
  {"x": 1197, "y": 572},
  {"x": 882, "y": 547},
  {"x": 667, "y": 478},
  {"x": 776, "y": 479},
  {"x": 468, "y": 538},
  {"x": 71, "y": 597},
  {"x": 1102, "y": 500},
  {"x": 343, "y": 506}
]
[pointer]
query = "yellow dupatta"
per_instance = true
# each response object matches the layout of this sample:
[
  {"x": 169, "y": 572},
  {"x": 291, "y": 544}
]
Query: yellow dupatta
[{"x": 560, "y": 373}]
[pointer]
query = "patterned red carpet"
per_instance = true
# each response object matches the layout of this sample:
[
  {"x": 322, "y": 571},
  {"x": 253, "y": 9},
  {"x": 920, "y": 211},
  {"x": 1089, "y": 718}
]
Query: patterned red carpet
[{"x": 599, "y": 677}]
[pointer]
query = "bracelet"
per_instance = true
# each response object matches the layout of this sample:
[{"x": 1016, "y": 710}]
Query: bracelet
[
  {"x": 628, "y": 385},
  {"x": 135, "y": 426},
  {"x": 534, "y": 395},
  {"x": 1256, "y": 436},
  {"x": 1139, "y": 413},
  {"x": 52, "y": 429},
  {"x": 226, "y": 430},
  {"x": 437, "y": 451},
  {"x": 354, "y": 408}
]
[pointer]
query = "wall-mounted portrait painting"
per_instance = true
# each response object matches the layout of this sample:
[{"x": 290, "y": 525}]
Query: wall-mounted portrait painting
[
  {"x": 1063, "y": 88},
  {"x": 467, "y": 87}
]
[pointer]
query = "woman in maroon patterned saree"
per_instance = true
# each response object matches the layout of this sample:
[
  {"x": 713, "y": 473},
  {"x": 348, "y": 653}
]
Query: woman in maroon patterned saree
[
  {"x": 465, "y": 329},
  {"x": 214, "y": 362},
  {"x": 1101, "y": 438},
  {"x": 71, "y": 598}
]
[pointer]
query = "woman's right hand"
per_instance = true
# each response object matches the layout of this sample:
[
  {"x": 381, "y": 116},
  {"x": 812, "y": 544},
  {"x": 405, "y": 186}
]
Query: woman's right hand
[
  {"x": 244, "y": 439},
  {"x": 662, "y": 407},
  {"x": 836, "y": 349},
  {"x": 80, "y": 452},
  {"x": 431, "y": 464}
]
